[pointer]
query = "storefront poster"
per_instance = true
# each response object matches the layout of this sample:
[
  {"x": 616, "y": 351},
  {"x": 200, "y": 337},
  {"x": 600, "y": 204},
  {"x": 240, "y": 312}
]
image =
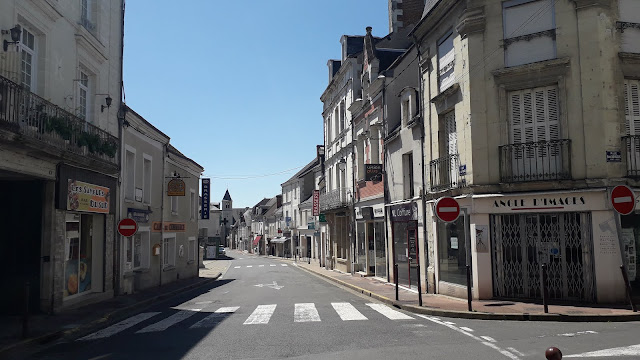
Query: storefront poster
[
  {"x": 87, "y": 197},
  {"x": 482, "y": 232}
]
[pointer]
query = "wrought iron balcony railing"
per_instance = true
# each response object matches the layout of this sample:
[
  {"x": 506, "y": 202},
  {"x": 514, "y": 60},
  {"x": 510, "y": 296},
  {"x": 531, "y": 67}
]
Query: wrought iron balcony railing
[
  {"x": 335, "y": 199},
  {"x": 36, "y": 118},
  {"x": 632, "y": 143},
  {"x": 444, "y": 172},
  {"x": 536, "y": 161}
]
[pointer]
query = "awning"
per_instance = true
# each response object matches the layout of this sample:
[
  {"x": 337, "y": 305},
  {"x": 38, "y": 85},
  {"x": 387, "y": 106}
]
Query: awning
[
  {"x": 256, "y": 240},
  {"x": 279, "y": 240}
]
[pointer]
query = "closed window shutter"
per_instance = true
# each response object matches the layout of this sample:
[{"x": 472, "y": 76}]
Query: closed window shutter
[
  {"x": 534, "y": 116},
  {"x": 452, "y": 135},
  {"x": 632, "y": 108}
]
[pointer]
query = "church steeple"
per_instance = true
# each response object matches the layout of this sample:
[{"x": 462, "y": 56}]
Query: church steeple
[{"x": 227, "y": 196}]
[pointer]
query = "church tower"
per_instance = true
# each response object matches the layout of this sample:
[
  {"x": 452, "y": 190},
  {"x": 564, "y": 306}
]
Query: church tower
[{"x": 226, "y": 218}]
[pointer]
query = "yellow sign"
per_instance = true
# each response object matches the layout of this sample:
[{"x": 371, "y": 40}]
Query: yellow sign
[
  {"x": 175, "y": 187},
  {"x": 158, "y": 226},
  {"x": 82, "y": 196}
]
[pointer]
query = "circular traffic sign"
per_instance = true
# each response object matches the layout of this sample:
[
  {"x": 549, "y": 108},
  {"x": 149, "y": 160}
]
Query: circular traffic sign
[
  {"x": 447, "y": 209},
  {"x": 127, "y": 227},
  {"x": 623, "y": 199}
]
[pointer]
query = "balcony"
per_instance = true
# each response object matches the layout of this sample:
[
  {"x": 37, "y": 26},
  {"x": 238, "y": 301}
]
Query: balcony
[
  {"x": 536, "y": 161},
  {"x": 444, "y": 173},
  {"x": 335, "y": 199},
  {"x": 633, "y": 154},
  {"x": 51, "y": 127}
]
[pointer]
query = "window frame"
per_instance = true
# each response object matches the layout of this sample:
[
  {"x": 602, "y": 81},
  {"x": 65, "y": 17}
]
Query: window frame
[
  {"x": 508, "y": 39},
  {"x": 169, "y": 251},
  {"x": 130, "y": 176},
  {"x": 193, "y": 204},
  {"x": 444, "y": 38},
  {"x": 175, "y": 206},
  {"x": 191, "y": 253},
  {"x": 146, "y": 190},
  {"x": 23, "y": 47}
]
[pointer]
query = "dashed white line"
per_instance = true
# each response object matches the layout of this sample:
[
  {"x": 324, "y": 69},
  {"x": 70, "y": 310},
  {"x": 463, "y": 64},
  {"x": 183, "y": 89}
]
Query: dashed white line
[
  {"x": 513, "y": 350},
  {"x": 260, "y": 265},
  {"x": 466, "y": 329},
  {"x": 449, "y": 322},
  {"x": 272, "y": 265},
  {"x": 506, "y": 353},
  {"x": 488, "y": 338},
  {"x": 284, "y": 265},
  {"x": 236, "y": 267},
  {"x": 249, "y": 265}
]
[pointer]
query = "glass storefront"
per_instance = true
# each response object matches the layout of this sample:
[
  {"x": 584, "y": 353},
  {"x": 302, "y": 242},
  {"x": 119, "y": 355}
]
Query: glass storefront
[
  {"x": 631, "y": 241},
  {"x": 452, "y": 252},
  {"x": 362, "y": 246},
  {"x": 405, "y": 249},
  {"x": 78, "y": 254},
  {"x": 380, "y": 250}
]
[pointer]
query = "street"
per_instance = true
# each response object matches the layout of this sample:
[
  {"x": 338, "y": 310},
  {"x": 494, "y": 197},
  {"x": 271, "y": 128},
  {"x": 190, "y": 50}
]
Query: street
[{"x": 267, "y": 308}]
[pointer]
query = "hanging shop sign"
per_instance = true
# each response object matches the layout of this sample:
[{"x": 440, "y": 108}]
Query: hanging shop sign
[
  {"x": 322, "y": 218},
  {"x": 372, "y": 172},
  {"x": 404, "y": 212},
  {"x": 206, "y": 192},
  {"x": 175, "y": 187},
  {"x": 316, "y": 202},
  {"x": 158, "y": 226},
  {"x": 87, "y": 197}
]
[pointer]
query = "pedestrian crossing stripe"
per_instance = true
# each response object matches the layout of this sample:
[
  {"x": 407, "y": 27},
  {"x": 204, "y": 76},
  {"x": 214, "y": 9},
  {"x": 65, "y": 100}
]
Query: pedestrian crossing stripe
[{"x": 262, "y": 314}]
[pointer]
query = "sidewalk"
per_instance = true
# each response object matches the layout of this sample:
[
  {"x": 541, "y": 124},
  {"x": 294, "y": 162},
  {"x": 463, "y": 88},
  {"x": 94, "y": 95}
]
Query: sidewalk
[
  {"x": 440, "y": 305},
  {"x": 44, "y": 328}
]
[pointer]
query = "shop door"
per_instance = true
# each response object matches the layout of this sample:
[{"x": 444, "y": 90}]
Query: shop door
[
  {"x": 406, "y": 254},
  {"x": 521, "y": 243},
  {"x": 380, "y": 250}
]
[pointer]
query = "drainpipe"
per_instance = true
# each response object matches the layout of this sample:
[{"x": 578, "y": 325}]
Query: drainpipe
[
  {"x": 117, "y": 266},
  {"x": 422, "y": 137},
  {"x": 352, "y": 233},
  {"x": 164, "y": 161},
  {"x": 385, "y": 184}
]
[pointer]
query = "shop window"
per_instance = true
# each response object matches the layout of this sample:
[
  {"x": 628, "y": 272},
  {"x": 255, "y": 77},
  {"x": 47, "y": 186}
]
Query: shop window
[
  {"x": 452, "y": 252},
  {"x": 192, "y": 249},
  {"x": 137, "y": 251},
  {"x": 529, "y": 31},
  {"x": 169, "y": 251},
  {"x": 82, "y": 250}
]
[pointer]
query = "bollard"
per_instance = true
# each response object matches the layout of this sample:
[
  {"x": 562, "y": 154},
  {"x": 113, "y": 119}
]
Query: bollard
[
  {"x": 545, "y": 293},
  {"x": 469, "y": 288},
  {"x": 25, "y": 315},
  {"x": 627, "y": 285},
  {"x": 395, "y": 277},
  {"x": 419, "y": 286},
  {"x": 553, "y": 353}
]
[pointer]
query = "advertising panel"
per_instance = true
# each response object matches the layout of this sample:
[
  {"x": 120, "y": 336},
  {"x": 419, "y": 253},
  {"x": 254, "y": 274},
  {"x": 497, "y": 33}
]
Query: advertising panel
[{"x": 87, "y": 197}]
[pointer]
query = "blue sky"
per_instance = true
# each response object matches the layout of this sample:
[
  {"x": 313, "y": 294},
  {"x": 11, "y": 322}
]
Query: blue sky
[{"x": 237, "y": 84}]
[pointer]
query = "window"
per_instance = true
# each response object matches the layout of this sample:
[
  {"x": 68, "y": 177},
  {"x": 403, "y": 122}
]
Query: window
[
  {"x": 83, "y": 94},
  {"x": 529, "y": 31},
  {"x": 360, "y": 157},
  {"x": 374, "y": 145},
  {"x": 407, "y": 175},
  {"x": 327, "y": 126},
  {"x": 169, "y": 251},
  {"x": 632, "y": 106},
  {"x": 404, "y": 111},
  {"x": 174, "y": 205},
  {"x": 193, "y": 204},
  {"x": 146, "y": 179},
  {"x": 446, "y": 62},
  {"x": 534, "y": 115},
  {"x": 191, "y": 250},
  {"x": 130, "y": 175},
  {"x": 342, "y": 117},
  {"x": 87, "y": 19},
  {"x": 336, "y": 120},
  {"x": 630, "y": 15},
  {"x": 138, "y": 250},
  {"x": 27, "y": 48}
]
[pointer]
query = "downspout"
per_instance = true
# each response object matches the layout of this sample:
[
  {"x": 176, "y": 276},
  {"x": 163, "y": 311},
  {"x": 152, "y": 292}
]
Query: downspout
[
  {"x": 422, "y": 137},
  {"x": 164, "y": 162},
  {"x": 121, "y": 117},
  {"x": 385, "y": 185},
  {"x": 352, "y": 233}
]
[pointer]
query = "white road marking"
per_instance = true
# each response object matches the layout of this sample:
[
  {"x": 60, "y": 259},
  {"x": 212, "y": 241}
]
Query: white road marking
[
  {"x": 513, "y": 350},
  {"x": 261, "y": 266},
  {"x": 449, "y": 322},
  {"x": 261, "y": 315},
  {"x": 306, "y": 312},
  {"x": 346, "y": 311},
  {"x": 122, "y": 325},
  {"x": 249, "y": 265},
  {"x": 284, "y": 264},
  {"x": 633, "y": 350},
  {"x": 272, "y": 265},
  {"x": 236, "y": 267},
  {"x": 240, "y": 258},
  {"x": 578, "y": 333},
  {"x": 389, "y": 312},
  {"x": 466, "y": 329},
  {"x": 506, "y": 353},
  {"x": 214, "y": 318},
  {"x": 166, "y": 323},
  {"x": 488, "y": 338},
  {"x": 273, "y": 285}
]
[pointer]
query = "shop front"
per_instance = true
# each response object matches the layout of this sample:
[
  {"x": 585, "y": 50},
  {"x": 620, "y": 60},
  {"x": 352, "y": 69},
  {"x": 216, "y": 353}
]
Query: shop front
[
  {"x": 371, "y": 257},
  {"x": 406, "y": 249},
  {"x": 85, "y": 218},
  {"x": 507, "y": 238}
]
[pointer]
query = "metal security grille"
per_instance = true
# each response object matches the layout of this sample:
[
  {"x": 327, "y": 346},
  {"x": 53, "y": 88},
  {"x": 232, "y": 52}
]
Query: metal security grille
[{"x": 521, "y": 243}]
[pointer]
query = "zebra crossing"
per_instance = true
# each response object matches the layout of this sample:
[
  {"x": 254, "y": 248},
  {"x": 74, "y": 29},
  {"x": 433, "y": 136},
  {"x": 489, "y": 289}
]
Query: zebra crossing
[
  {"x": 261, "y": 315},
  {"x": 263, "y": 265}
]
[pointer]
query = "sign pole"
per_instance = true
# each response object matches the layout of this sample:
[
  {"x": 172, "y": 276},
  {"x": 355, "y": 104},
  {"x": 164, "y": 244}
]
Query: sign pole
[
  {"x": 623, "y": 202},
  {"x": 623, "y": 266}
]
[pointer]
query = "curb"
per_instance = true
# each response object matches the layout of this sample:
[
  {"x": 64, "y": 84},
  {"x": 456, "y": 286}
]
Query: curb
[
  {"x": 46, "y": 338},
  {"x": 482, "y": 315}
]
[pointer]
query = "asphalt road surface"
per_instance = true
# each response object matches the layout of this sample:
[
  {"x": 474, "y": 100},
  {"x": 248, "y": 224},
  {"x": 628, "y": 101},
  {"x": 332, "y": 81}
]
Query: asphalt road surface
[{"x": 265, "y": 308}]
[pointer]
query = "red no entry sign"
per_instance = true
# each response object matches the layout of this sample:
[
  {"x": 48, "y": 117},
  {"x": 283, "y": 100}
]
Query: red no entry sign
[
  {"x": 127, "y": 227},
  {"x": 623, "y": 199},
  {"x": 447, "y": 209}
]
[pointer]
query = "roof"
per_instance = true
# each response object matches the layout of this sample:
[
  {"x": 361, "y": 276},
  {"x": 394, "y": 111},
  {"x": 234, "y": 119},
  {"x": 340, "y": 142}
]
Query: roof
[
  {"x": 304, "y": 170},
  {"x": 172, "y": 150},
  {"x": 127, "y": 108},
  {"x": 388, "y": 56},
  {"x": 227, "y": 196}
]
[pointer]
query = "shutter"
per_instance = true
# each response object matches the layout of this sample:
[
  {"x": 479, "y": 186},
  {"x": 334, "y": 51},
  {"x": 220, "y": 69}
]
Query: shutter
[
  {"x": 452, "y": 135},
  {"x": 632, "y": 108},
  {"x": 534, "y": 117}
]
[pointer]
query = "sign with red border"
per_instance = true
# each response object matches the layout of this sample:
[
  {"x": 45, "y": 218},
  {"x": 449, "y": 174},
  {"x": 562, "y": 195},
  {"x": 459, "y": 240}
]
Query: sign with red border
[
  {"x": 623, "y": 199},
  {"x": 447, "y": 209},
  {"x": 127, "y": 227}
]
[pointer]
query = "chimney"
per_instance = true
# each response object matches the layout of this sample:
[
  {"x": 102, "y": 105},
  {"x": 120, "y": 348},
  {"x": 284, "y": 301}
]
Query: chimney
[{"x": 404, "y": 13}]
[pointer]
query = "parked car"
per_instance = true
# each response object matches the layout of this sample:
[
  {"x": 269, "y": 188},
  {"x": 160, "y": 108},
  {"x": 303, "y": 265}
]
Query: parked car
[{"x": 222, "y": 251}]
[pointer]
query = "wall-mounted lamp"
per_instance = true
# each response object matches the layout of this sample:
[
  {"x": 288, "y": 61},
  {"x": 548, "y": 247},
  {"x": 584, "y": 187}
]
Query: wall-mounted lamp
[
  {"x": 15, "y": 36},
  {"x": 107, "y": 101}
]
